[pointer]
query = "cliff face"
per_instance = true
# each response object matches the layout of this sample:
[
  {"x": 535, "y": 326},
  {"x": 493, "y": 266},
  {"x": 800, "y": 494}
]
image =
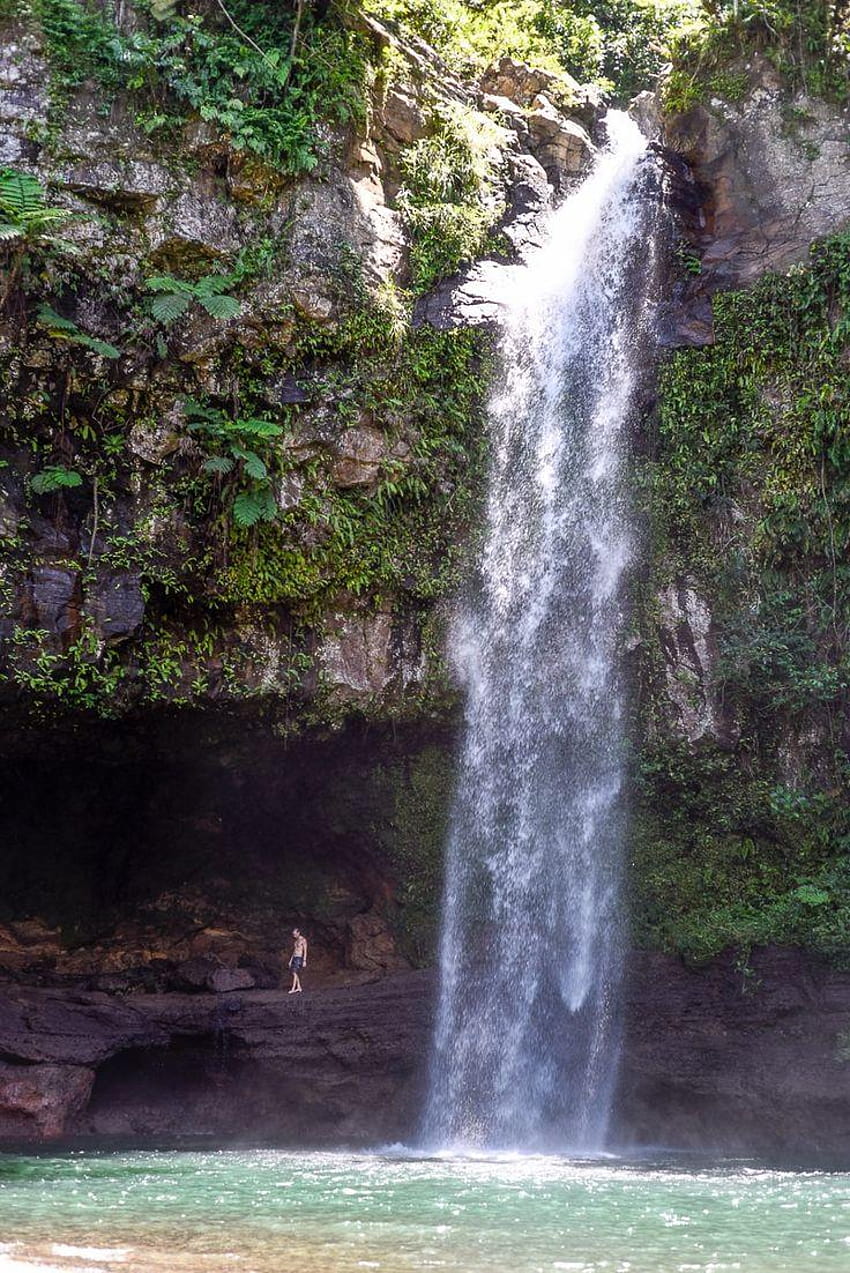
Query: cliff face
[
  {"x": 722, "y": 1060},
  {"x": 244, "y": 350},
  {"x": 740, "y": 643},
  {"x": 239, "y": 471}
]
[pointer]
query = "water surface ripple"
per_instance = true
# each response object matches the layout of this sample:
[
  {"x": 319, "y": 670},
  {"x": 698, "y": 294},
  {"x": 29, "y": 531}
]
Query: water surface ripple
[{"x": 265, "y": 1211}]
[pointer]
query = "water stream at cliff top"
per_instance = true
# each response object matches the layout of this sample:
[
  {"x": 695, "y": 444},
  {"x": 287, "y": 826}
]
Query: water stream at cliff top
[{"x": 526, "y": 1039}]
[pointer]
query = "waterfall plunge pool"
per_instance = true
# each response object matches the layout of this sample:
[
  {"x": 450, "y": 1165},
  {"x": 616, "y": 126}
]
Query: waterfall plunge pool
[{"x": 273, "y": 1211}]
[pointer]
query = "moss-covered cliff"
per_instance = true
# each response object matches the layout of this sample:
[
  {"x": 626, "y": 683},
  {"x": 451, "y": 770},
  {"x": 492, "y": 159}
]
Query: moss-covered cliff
[
  {"x": 742, "y": 832},
  {"x": 241, "y": 456},
  {"x": 238, "y": 471}
]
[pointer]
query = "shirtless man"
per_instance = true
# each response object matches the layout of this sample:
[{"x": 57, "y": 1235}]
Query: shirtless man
[{"x": 298, "y": 960}]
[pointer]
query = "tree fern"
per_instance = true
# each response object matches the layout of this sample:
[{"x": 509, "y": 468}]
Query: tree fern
[
  {"x": 175, "y": 295},
  {"x": 250, "y": 507},
  {"x": 54, "y": 478}
]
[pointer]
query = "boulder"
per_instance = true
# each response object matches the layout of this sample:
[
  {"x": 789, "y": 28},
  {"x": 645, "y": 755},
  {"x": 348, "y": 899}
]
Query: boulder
[
  {"x": 355, "y": 656},
  {"x": 771, "y": 173},
  {"x": 562, "y": 146},
  {"x": 225, "y": 980},
  {"x": 288, "y": 490},
  {"x": 39, "y": 1101},
  {"x": 28, "y": 945},
  {"x": 131, "y": 185},
  {"x": 116, "y": 604},
  {"x": 519, "y": 82},
  {"x": 195, "y": 974},
  {"x": 54, "y": 599},
  {"x": 24, "y": 95},
  {"x": 402, "y": 117},
  {"x": 370, "y": 945},
  {"x": 192, "y": 229},
  {"x": 360, "y": 452},
  {"x": 154, "y": 440}
]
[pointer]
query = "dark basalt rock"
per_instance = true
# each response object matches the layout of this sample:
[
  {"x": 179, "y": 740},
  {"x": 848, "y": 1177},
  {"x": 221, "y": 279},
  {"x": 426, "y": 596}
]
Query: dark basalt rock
[{"x": 721, "y": 1059}]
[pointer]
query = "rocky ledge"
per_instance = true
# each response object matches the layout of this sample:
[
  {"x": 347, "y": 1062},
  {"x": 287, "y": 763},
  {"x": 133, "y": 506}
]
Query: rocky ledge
[{"x": 753, "y": 1060}]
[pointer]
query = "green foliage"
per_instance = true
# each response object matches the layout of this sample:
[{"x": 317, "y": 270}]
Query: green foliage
[
  {"x": 448, "y": 197},
  {"x": 262, "y": 97},
  {"x": 235, "y": 445},
  {"x": 721, "y": 858},
  {"x": 55, "y": 478},
  {"x": 60, "y": 328},
  {"x": 748, "y": 497},
  {"x": 405, "y": 536},
  {"x": 621, "y": 44},
  {"x": 174, "y": 296},
  {"x": 808, "y": 42},
  {"x": 24, "y": 211},
  {"x": 467, "y": 34}
]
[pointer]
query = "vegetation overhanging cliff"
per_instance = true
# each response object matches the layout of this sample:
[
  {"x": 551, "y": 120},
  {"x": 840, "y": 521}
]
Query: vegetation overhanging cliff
[{"x": 239, "y": 474}]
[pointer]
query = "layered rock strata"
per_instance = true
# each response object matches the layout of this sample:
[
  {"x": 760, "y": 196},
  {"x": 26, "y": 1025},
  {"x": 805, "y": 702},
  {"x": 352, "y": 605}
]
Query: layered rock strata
[{"x": 729, "y": 1058}]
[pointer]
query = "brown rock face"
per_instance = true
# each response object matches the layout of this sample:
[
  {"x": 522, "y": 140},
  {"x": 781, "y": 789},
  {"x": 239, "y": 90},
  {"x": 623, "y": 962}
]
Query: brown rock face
[
  {"x": 561, "y": 145},
  {"x": 715, "y": 1059},
  {"x": 737, "y": 1060},
  {"x": 341, "y": 1066},
  {"x": 39, "y": 1102},
  {"x": 754, "y": 183}
]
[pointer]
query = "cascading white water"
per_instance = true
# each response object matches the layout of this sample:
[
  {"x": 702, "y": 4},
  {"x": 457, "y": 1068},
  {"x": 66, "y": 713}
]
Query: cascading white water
[{"x": 527, "y": 1033}]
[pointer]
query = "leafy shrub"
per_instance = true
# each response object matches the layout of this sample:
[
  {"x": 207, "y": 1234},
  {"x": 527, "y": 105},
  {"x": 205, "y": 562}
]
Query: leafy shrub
[
  {"x": 748, "y": 496},
  {"x": 622, "y": 44},
  {"x": 266, "y": 92},
  {"x": 236, "y": 445},
  {"x": 808, "y": 42},
  {"x": 448, "y": 198}
]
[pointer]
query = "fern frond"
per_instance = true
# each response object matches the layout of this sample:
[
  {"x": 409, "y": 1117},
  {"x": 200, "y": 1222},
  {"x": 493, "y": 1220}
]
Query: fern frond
[
  {"x": 214, "y": 284},
  {"x": 169, "y": 306},
  {"x": 53, "y": 478},
  {"x": 21, "y": 196},
  {"x": 254, "y": 466},
  {"x": 217, "y": 464},
  {"x": 101, "y": 347},
  {"x": 168, "y": 283},
  {"x": 47, "y": 317},
  {"x": 258, "y": 428},
  {"x": 251, "y": 507},
  {"x": 221, "y": 307}
]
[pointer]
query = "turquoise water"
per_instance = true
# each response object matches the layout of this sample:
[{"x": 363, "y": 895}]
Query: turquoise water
[{"x": 268, "y": 1211}]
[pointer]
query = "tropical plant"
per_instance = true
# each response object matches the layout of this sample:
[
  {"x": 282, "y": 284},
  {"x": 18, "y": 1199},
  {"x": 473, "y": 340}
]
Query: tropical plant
[
  {"x": 236, "y": 444},
  {"x": 55, "y": 478},
  {"x": 60, "y": 328},
  {"x": 25, "y": 219},
  {"x": 24, "y": 211},
  {"x": 174, "y": 296}
]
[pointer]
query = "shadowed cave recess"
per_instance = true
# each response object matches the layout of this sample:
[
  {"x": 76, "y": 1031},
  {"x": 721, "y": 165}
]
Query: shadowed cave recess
[{"x": 178, "y": 853}]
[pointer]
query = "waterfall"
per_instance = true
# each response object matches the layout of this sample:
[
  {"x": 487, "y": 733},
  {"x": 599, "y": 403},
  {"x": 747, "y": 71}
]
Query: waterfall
[{"x": 527, "y": 1033}]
